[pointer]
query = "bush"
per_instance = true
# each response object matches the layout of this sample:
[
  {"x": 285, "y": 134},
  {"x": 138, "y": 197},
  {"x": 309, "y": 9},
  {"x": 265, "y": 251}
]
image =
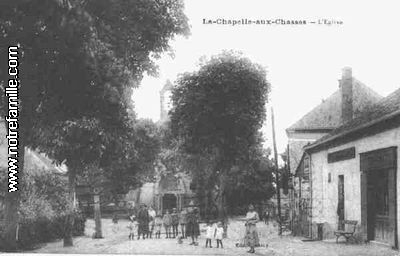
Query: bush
[
  {"x": 34, "y": 232},
  {"x": 79, "y": 225},
  {"x": 44, "y": 207}
]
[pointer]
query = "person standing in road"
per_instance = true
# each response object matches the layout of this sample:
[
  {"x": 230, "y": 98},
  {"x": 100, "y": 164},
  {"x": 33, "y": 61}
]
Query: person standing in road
[
  {"x": 152, "y": 216},
  {"x": 133, "y": 225},
  {"x": 167, "y": 224},
  {"x": 174, "y": 222},
  {"x": 219, "y": 234},
  {"x": 143, "y": 220},
  {"x": 182, "y": 222},
  {"x": 210, "y": 233},
  {"x": 192, "y": 227},
  {"x": 251, "y": 237},
  {"x": 267, "y": 215},
  {"x": 158, "y": 224}
]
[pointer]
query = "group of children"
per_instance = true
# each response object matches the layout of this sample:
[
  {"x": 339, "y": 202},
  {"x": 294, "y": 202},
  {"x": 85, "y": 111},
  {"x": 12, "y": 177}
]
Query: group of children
[
  {"x": 171, "y": 222},
  {"x": 214, "y": 231}
]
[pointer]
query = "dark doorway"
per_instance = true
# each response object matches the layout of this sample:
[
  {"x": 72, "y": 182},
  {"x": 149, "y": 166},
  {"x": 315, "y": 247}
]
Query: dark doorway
[
  {"x": 340, "y": 209},
  {"x": 378, "y": 195},
  {"x": 378, "y": 205},
  {"x": 304, "y": 207},
  {"x": 169, "y": 202}
]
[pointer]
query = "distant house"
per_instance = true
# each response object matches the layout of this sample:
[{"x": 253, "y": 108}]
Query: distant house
[{"x": 348, "y": 102}]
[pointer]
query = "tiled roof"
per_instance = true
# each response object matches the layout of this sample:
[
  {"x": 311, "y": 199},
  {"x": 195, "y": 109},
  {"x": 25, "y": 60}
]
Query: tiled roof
[
  {"x": 384, "y": 109},
  {"x": 35, "y": 161},
  {"x": 327, "y": 115}
]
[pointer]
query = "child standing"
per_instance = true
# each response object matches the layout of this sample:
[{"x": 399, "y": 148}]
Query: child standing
[
  {"x": 219, "y": 234},
  {"x": 133, "y": 224},
  {"x": 157, "y": 225},
  {"x": 167, "y": 220},
  {"x": 192, "y": 228},
  {"x": 115, "y": 223},
  {"x": 182, "y": 222},
  {"x": 174, "y": 222},
  {"x": 210, "y": 232}
]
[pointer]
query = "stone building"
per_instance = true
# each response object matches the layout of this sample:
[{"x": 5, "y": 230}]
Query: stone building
[
  {"x": 353, "y": 174},
  {"x": 348, "y": 102}
]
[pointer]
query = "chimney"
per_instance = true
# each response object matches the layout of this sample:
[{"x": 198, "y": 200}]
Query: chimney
[{"x": 346, "y": 89}]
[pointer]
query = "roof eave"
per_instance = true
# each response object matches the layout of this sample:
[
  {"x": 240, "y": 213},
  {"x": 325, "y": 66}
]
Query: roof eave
[{"x": 345, "y": 133}]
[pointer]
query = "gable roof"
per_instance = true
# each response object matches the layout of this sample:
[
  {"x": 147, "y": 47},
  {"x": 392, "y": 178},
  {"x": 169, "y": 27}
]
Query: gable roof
[
  {"x": 296, "y": 152},
  {"x": 385, "y": 110},
  {"x": 36, "y": 161},
  {"x": 327, "y": 115}
]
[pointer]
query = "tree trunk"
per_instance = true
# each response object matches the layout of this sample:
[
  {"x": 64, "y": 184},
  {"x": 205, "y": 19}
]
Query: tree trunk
[
  {"x": 137, "y": 203},
  {"x": 221, "y": 197},
  {"x": 12, "y": 203},
  {"x": 69, "y": 219},
  {"x": 97, "y": 216}
]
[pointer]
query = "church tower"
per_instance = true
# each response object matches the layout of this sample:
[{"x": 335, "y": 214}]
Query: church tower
[{"x": 165, "y": 101}]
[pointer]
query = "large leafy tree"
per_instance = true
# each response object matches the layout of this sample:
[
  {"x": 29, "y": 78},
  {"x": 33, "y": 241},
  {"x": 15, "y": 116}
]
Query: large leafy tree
[
  {"x": 217, "y": 113},
  {"x": 251, "y": 181},
  {"x": 132, "y": 161},
  {"x": 78, "y": 63}
]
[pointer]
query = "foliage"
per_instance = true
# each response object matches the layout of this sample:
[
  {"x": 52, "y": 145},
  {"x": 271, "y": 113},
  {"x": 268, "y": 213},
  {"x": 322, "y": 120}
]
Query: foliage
[
  {"x": 171, "y": 157},
  {"x": 220, "y": 107},
  {"x": 33, "y": 232},
  {"x": 79, "y": 61},
  {"x": 252, "y": 182},
  {"x": 216, "y": 115},
  {"x": 132, "y": 161},
  {"x": 43, "y": 208}
]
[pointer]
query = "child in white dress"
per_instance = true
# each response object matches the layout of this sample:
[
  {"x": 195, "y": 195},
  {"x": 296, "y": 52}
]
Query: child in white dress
[
  {"x": 210, "y": 232},
  {"x": 133, "y": 226},
  {"x": 219, "y": 234},
  {"x": 158, "y": 221}
]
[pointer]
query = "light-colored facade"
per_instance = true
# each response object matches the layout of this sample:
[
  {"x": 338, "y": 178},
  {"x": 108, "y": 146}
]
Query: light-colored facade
[
  {"x": 325, "y": 180},
  {"x": 354, "y": 175},
  {"x": 348, "y": 102}
]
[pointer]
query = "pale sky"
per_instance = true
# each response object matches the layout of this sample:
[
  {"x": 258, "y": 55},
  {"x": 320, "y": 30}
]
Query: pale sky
[{"x": 304, "y": 63}]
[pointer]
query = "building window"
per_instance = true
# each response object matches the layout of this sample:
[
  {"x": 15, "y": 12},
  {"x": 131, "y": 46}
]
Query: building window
[
  {"x": 306, "y": 163},
  {"x": 306, "y": 168}
]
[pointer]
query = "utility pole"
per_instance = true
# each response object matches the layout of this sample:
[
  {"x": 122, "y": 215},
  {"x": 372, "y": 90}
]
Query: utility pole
[
  {"x": 277, "y": 176},
  {"x": 97, "y": 215}
]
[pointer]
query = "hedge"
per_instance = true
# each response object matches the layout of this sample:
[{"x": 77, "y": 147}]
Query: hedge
[{"x": 32, "y": 233}]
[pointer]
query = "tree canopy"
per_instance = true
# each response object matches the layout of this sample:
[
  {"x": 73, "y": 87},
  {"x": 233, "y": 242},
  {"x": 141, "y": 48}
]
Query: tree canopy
[
  {"x": 79, "y": 61},
  {"x": 217, "y": 114}
]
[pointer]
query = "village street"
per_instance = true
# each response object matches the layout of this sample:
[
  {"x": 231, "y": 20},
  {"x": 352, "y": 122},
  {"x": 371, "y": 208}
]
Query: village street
[{"x": 116, "y": 242}]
